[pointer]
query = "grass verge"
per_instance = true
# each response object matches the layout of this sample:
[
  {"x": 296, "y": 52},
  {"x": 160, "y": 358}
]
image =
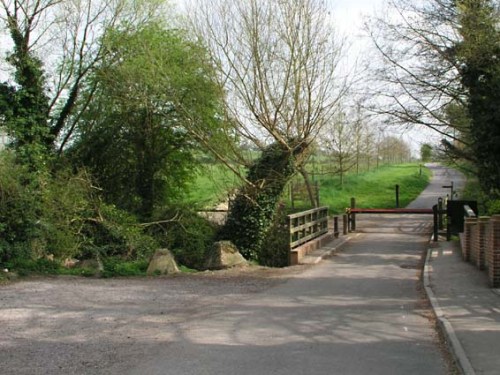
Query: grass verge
[{"x": 375, "y": 189}]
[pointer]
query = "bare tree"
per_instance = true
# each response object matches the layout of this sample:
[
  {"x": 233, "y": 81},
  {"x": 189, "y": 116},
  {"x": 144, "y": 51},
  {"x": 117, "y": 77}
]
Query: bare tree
[
  {"x": 339, "y": 142},
  {"x": 278, "y": 64},
  {"x": 394, "y": 150},
  {"x": 418, "y": 77},
  {"x": 442, "y": 71}
]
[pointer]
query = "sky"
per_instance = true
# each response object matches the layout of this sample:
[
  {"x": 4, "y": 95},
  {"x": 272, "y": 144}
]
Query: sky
[{"x": 349, "y": 13}]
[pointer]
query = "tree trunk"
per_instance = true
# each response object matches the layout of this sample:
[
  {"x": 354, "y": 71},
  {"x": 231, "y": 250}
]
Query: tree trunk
[
  {"x": 307, "y": 182},
  {"x": 255, "y": 205}
]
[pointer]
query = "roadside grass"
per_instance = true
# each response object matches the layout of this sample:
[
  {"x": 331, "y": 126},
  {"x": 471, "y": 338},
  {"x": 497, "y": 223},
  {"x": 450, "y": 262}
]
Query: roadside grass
[
  {"x": 373, "y": 189},
  {"x": 113, "y": 267}
]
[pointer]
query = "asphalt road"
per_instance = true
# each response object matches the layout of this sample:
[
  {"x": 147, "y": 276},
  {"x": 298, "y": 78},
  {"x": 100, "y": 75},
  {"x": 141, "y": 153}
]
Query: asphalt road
[{"x": 359, "y": 312}]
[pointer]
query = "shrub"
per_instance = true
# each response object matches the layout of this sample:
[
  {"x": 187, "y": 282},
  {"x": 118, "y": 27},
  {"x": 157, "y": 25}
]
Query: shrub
[
  {"x": 493, "y": 207},
  {"x": 114, "y": 232},
  {"x": 186, "y": 234},
  {"x": 62, "y": 214},
  {"x": 19, "y": 209}
]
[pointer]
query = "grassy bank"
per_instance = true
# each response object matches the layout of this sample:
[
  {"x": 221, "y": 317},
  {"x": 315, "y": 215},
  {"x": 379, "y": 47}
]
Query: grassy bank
[
  {"x": 211, "y": 185},
  {"x": 374, "y": 189}
]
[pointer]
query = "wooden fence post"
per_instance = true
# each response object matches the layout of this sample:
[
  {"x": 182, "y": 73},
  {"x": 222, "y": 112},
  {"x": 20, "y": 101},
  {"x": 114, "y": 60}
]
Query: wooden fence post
[
  {"x": 336, "y": 226},
  {"x": 316, "y": 186}
]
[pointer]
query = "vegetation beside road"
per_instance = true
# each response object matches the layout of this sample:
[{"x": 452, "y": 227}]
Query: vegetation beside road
[
  {"x": 372, "y": 189},
  {"x": 472, "y": 191},
  {"x": 191, "y": 235},
  {"x": 376, "y": 189}
]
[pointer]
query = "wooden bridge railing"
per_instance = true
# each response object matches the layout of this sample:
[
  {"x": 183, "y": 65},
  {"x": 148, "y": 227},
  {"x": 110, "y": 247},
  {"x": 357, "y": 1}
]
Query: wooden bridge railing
[{"x": 307, "y": 225}]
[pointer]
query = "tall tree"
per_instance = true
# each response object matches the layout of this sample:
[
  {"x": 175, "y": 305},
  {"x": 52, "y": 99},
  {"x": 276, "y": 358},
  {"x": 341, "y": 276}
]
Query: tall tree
[
  {"x": 441, "y": 70},
  {"x": 479, "y": 53},
  {"x": 139, "y": 145},
  {"x": 56, "y": 44},
  {"x": 277, "y": 61},
  {"x": 24, "y": 104}
]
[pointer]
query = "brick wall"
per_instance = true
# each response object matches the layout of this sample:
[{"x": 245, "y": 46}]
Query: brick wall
[
  {"x": 493, "y": 252},
  {"x": 474, "y": 243},
  {"x": 481, "y": 239},
  {"x": 469, "y": 224},
  {"x": 481, "y": 245}
]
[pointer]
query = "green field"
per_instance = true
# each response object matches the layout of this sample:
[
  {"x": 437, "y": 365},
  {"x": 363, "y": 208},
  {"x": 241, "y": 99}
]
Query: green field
[
  {"x": 374, "y": 189},
  {"x": 212, "y": 185}
]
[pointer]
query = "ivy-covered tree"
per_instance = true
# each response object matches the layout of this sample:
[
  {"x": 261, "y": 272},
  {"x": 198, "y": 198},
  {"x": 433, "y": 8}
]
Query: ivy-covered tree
[
  {"x": 24, "y": 104},
  {"x": 278, "y": 64},
  {"x": 253, "y": 209}
]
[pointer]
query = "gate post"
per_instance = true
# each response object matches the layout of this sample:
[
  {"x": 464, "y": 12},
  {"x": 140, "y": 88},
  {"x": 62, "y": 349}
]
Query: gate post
[
  {"x": 436, "y": 227},
  {"x": 345, "y": 224},
  {"x": 448, "y": 227},
  {"x": 440, "y": 212},
  {"x": 397, "y": 196},
  {"x": 336, "y": 226}
]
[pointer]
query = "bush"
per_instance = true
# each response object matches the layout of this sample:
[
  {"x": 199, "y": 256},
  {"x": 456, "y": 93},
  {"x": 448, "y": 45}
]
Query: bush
[
  {"x": 186, "y": 234},
  {"x": 493, "y": 207},
  {"x": 116, "y": 233},
  {"x": 19, "y": 209},
  {"x": 61, "y": 214}
]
